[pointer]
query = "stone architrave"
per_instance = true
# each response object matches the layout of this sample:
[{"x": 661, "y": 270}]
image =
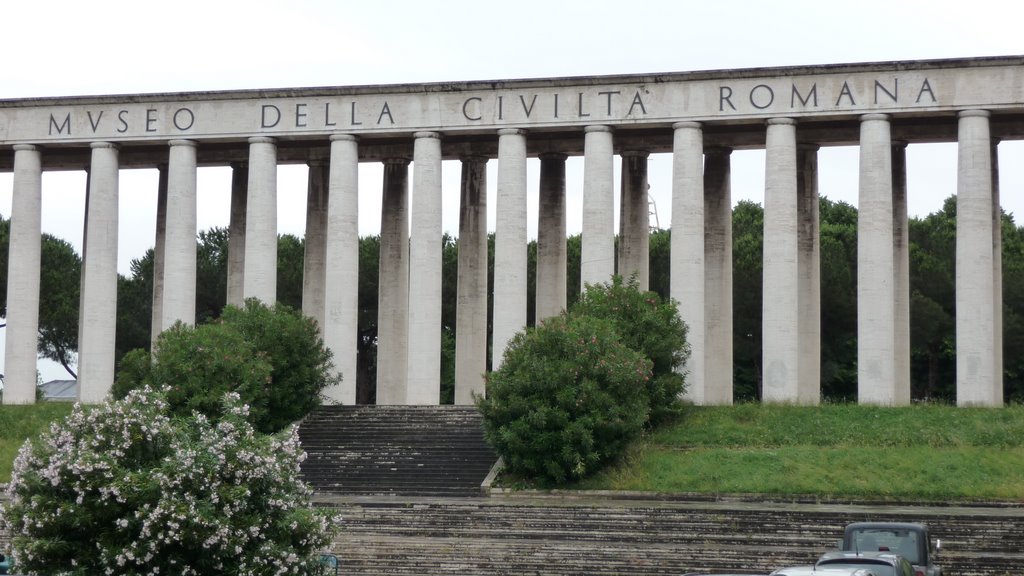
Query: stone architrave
[
  {"x": 975, "y": 282},
  {"x": 634, "y": 218},
  {"x": 687, "y": 250},
  {"x": 393, "y": 285},
  {"x": 259, "y": 278},
  {"x": 179, "y": 261},
  {"x": 876, "y": 337},
  {"x": 23, "y": 270},
  {"x": 341, "y": 279},
  {"x": 781, "y": 306},
  {"x": 314, "y": 261},
  {"x": 98, "y": 315},
  {"x": 236, "y": 232},
  {"x": 718, "y": 277},
  {"x": 552, "y": 252},
  {"x": 597, "y": 260},
  {"x": 424, "y": 370},
  {"x": 509, "y": 243},
  {"x": 471, "y": 305}
]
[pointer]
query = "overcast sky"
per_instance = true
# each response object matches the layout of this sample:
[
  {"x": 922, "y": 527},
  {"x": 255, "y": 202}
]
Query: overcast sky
[{"x": 70, "y": 47}]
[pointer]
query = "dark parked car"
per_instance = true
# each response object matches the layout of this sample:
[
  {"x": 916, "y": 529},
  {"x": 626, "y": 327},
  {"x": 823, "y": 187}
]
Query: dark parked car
[{"x": 910, "y": 540}]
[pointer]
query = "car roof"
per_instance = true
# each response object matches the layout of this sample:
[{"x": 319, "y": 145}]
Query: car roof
[
  {"x": 880, "y": 557},
  {"x": 822, "y": 571},
  {"x": 897, "y": 525}
]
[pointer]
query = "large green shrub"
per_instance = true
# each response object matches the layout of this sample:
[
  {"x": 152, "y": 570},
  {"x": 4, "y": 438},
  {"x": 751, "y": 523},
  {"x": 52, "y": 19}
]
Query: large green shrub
[
  {"x": 568, "y": 397},
  {"x": 274, "y": 358},
  {"x": 648, "y": 325},
  {"x": 126, "y": 488}
]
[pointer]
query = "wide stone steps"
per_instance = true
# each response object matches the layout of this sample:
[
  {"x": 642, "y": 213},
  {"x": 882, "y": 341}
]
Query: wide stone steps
[
  {"x": 586, "y": 536},
  {"x": 396, "y": 450}
]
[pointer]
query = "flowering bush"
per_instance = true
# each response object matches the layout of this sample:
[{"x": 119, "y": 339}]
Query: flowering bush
[
  {"x": 649, "y": 326},
  {"x": 568, "y": 398},
  {"x": 124, "y": 488}
]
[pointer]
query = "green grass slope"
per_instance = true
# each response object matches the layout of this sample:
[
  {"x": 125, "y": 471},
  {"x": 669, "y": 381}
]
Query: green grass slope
[
  {"x": 18, "y": 423},
  {"x": 929, "y": 452}
]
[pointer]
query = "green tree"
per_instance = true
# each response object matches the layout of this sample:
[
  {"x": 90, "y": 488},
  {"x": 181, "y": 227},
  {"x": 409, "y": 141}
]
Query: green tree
[
  {"x": 291, "y": 252},
  {"x": 568, "y": 398},
  {"x": 651, "y": 327},
  {"x": 747, "y": 290},
  {"x": 838, "y": 272},
  {"x": 659, "y": 277}
]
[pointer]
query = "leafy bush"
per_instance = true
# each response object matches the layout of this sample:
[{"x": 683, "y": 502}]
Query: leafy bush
[
  {"x": 274, "y": 358},
  {"x": 568, "y": 397},
  {"x": 649, "y": 326},
  {"x": 125, "y": 488}
]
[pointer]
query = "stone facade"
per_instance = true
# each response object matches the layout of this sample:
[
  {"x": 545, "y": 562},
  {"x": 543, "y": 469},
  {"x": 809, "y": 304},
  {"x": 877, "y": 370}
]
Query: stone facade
[{"x": 698, "y": 117}]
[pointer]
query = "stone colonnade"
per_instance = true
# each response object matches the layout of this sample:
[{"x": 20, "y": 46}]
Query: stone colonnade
[{"x": 409, "y": 320}]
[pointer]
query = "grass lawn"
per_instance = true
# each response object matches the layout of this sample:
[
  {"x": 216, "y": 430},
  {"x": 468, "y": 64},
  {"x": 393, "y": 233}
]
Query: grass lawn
[
  {"x": 17, "y": 423},
  {"x": 925, "y": 452}
]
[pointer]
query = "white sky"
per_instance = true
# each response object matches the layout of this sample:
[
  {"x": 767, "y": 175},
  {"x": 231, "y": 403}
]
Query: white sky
[{"x": 70, "y": 47}]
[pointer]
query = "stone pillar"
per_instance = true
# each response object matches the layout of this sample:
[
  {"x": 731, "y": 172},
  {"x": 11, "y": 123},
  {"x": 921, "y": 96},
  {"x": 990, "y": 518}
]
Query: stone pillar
[
  {"x": 901, "y": 274},
  {"x": 23, "y": 274},
  {"x": 809, "y": 275},
  {"x": 471, "y": 301},
  {"x": 509, "y": 242},
  {"x": 975, "y": 282},
  {"x": 179, "y": 270},
  {"x": 634, "y": 219},
  {"x": 98, "y": 315},
  {"x": 424, "y": 369},
  {"x": 552, "y": 252},
  {"x": 717, "y": 277},
  {"x": 156, "y": 325},
  {"x": 876, "y": 337},
  {"x": 314, "y": 261},
  {"x": 687, "y": 250},
  {"x": 781, "y": 306},
  {"x": 341, "y": 279},
  {"x": 393, "y": 285},
  {"x": 259, "y": 278},
  {"x": 597, "y": 263},
  {"x": 236, "y": 232},
  {"x": 997, "y": 280}
]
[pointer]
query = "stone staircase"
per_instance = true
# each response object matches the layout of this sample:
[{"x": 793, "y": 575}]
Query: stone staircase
[
  {"x": 396, "y": 450},
  {"x": 585, "y": 534}
]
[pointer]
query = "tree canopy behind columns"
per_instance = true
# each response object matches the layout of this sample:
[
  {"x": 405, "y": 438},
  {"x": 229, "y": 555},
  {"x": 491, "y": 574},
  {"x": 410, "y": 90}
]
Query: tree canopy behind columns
[
  {"x": 59, "y": 288},
  {"x": 838, "y": 272},
  {"x": 747, "y": 282}
]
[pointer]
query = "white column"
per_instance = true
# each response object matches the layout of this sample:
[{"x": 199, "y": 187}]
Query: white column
[
  {"x": 98, "y": 315},
  {"x": 597, "y": 263},
  {"x": 901, "y": 276},
  {"x": 809, "y": 275},
  {"x": 997, "y": 280},
  {"x": 23, "y": 273},
  {"x": 236, "y": 232},
  {"x": 717, "y": 277},
  {"x": 687, "y": 250},
  {"x": 634, "y": 218},
  {"x": 156, "y": 325},
  {"x": 341, "y": 278},
  {"x": 259, "y": 278},
  {"x": 509, "y": 242},
  {"x": 179, "y": 271},
  {"x": 876, "y": 336},
  {"x": 975, "y": 284},
  {"x": 314, "y": 261},
  {"x": 471, "y": 299},
  {"x": 781, "y": 309},
  {"x": 393, "y": 285},
  {"x": 424, "y": 369},
  {"x": 551, "y": 238}
]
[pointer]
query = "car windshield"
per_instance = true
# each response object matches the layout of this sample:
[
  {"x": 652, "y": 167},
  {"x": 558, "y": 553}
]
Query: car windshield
[{"x": 902, "y": 542}]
